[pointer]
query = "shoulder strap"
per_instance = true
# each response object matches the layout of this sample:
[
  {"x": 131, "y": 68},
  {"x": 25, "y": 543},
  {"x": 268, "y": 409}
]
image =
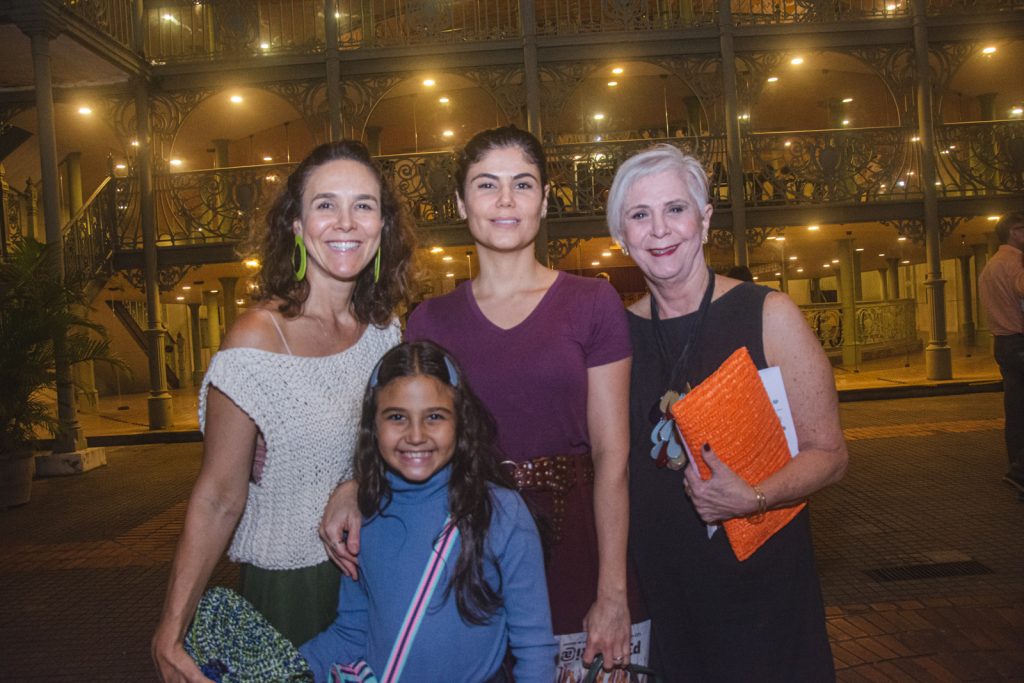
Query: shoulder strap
[
  {"x": 280, "y": 333},
  {"x": 420, "y": 602}
]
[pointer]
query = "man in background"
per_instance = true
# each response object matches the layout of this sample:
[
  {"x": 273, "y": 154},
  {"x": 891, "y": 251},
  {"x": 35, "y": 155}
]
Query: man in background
[{"x": 1001, "y": 286}]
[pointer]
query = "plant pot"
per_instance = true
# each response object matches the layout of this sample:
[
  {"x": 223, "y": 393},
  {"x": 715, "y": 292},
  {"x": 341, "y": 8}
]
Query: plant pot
[{"x": 16, "y": 470}]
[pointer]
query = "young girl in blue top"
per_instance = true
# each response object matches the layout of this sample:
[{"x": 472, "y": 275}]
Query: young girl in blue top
[{"x": 424, "y": 456}]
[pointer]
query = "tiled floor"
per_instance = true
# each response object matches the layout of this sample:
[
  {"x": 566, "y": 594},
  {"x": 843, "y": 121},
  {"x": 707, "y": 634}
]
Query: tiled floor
[{"x": 83, "y": 566}]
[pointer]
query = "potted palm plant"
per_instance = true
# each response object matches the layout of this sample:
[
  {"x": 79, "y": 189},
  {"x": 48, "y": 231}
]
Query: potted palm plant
[{"x": 36, "y": 307}]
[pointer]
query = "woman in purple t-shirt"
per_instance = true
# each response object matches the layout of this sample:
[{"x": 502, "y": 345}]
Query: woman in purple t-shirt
[{"x": 549, "y": 355}]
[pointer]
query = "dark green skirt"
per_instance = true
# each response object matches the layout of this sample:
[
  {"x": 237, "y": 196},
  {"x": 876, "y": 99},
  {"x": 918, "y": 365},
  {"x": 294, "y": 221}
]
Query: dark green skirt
[{"x": 299, "y": 603}]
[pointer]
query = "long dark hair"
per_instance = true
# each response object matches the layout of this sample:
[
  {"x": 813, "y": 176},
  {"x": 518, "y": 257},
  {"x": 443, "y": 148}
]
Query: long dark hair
[
  {"x": 372, "y": 302},
  {"x": 474, "y": 467},
  {"x": 500, "y": 138}
]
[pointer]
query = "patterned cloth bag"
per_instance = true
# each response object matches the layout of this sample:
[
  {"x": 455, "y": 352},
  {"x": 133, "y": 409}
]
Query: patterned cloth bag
[{"x": 232, "y": 642}]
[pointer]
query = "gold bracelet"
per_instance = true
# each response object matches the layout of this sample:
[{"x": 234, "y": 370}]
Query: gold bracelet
[{"x": 762, "y": 506}]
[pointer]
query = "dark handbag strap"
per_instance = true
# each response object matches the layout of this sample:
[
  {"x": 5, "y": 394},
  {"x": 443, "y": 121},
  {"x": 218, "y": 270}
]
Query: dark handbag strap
[{"x": 634, "y": 669}]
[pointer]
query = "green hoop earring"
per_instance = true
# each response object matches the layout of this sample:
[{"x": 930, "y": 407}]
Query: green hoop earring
[
  {"x": 299, "y": 258},
  {"x": 376, "y": 266}
]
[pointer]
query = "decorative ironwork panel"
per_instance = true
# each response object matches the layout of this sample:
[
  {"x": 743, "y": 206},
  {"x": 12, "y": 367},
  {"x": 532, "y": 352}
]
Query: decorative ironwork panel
[
  {"x": 168, "y": 277},
  {"x": 360, "y": 95},
  {"x": 896, "y": 67},
  {"x": 886, "y": 322},
  {"x": 504, "y": 84},
  {"x": 811, "y": 167},
  {"x": 113, "y": 17},
  {"x": 558, "y": 81},
  {"x": 568, "y": 17},
  {"x": 167, "y": 111},
  {"x": 182, "y": 31},
  {"x": 426, "y": 184},
  {"x": 378, "y": 23},
  {"x": 826, "y": 320},
  {"x": 936, "y": 7},
  {"x": 980, "y": 158},
  {"x": 309, "y": 99},
  {"x": 703, "y": 74},
  {"x": 89, "y": 237},
  {"x": 814, "y": 11},
  {"x": 914, "y": 228},
  {"x": 581, "y": 174},
  {"x": 560, "y": 248}
]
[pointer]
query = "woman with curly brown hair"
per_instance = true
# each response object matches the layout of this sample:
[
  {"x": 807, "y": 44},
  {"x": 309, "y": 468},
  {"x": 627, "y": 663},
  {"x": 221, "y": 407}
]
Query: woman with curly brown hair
[{"x": 280, "y": 402}]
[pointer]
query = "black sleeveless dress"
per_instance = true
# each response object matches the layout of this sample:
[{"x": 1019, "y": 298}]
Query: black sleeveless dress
[{"x": 715, "y": 618}]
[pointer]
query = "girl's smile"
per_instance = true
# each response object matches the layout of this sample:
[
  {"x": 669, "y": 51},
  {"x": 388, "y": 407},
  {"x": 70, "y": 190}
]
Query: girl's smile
[{"x": 416, "y": 426}]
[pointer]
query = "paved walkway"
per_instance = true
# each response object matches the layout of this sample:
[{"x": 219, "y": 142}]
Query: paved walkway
[{"x": 83, "y": 566}]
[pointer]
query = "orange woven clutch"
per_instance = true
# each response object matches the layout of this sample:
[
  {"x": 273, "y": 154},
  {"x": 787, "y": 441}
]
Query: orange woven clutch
[{"x": 731, "y": 411}]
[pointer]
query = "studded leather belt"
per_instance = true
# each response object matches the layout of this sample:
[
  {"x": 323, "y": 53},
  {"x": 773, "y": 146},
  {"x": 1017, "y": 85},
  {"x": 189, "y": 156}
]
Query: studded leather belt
[{"x": 554, "y": 474}]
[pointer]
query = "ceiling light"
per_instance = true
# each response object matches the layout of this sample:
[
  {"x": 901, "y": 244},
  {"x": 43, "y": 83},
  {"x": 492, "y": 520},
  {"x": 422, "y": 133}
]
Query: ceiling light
[
  {"x": 264, "y": 46},
  {"x": 1017, "y": 111},
  {"x": 595, "y": 263},
  {"x": 773, "y": 79},
  {"x": 812, "y": 228},
  {"x": 448, "y": 133},
  {"x": 135, "y": 143},
  {"x": 835, "y": 260},
  {"x": 449, "y": 274},
  {"x": 447, "y": 258},
  {"x": 180, "y": 298},
  {"x": 612, "y": 84},
  {"x": 901, "y": 238},
  {"x": 214, "y": 291},
  {"x": 846, "y": 122},
  {"x": 599, "y": 117},
  {"x": 436, "y": 250},
  {"x": 606, "y": 254},
  {"x": 988, "y": 50},
  {"x": 787, "y": 143},
  {"x": 251, "y": 263},
  {"x": 780, "y": 239},
  {"x": 882, "y": 255},
  {"x": 859, "y": 249},
  {"x": 239, "y": 301},
  {"x": 847, "y": 100},
  {"x": 905, "y": 261},
  {"x": 268, "y": 158},
  {"x": 792, "y": 258},
  {"x": 994, "y": 218},
  {"x": 84, "y": 111},
  {"x": 120, "y": 167},
  {"x": 186, "y": 287},
  {"x": 890, "y": 8},
  {"x": 429, "y": 82},
  {"x": 175, "y": 162},
  {"x": 236, "y": 99},
  {"x": 799, "y": 270},
  {"x": 796, "y": 61},
  {"x": 826, "y": 265},
  {"x": 900, "y": 183},
  {"x": 617, "y": 70},
  {"x": 755, "y": 278},
  {"x": 915, "y": 139},
  {"x": 443, "y": 99},
  {"x": 778, "y": 274}
]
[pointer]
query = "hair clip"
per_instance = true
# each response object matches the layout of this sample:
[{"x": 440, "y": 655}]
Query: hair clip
[
  {"x": 375, "y": 375},
  {"x": 453, "y": 376}
]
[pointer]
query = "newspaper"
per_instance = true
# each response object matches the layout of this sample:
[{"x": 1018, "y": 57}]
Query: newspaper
[{"x": 570, "y": 656}]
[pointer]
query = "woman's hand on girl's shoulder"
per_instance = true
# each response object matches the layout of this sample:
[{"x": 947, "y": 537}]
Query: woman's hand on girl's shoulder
[{"x": 339, "y": 529}]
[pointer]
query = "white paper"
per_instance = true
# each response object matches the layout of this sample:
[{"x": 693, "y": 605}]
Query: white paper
[{"x": 570, "y": 655}]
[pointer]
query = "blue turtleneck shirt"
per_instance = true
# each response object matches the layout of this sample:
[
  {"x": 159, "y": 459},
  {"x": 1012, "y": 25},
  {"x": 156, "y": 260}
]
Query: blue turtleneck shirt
[{"x": 395, "y": 547}]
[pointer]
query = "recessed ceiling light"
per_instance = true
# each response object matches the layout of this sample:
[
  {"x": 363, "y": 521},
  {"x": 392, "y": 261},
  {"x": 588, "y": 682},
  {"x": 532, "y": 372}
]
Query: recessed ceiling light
[
  {"x": 835, "y": 260},
  {"x": 612, "y": 84},
  {"x": 186, "y": 287},
  {"x": 180, "y": 298},
  {"x": 436, "y": 250},
  {"x": 826, "y": 265},
  {"x": 993, "y": 218},
  {"x": 988, "y": 50},
  {"x": 796, "y": 61},
  {"x": 236, "y": 99},
  {"x": 239, "y": 301},
  {"x": 84, "y": 111},
  {"x": 846, "y": 122},
  {"x": 267, "y": 157},
  {"x": 429, "y": 82},
  {"x": 859, "y": 249},
  {"x": 599, "y": 117},
  {"x": 847, "y": 100},
  {"x": 251, "y": 263},
  {"x": 773, "y": 79},
  {"x": 264, "y": 46},
  {"x": 175, "y": 162},
  {"x": 443, "y": 100},
  {"x": 780, "y": 239},
  {"x": 595, "y": 263},
  {"x": 901, "y": 238},
  {"x": 448, "y": 133},
  {"x": 606, "y": 254},
  {"x": 214, "y": 291},
  {"x": 812, "y": 228},
  {"x": 449, "y": 274},
  {"x": 882, "y": 255},
  {"x": 792, "y": 258},
  {"x": 799, "y": 270},
  {"x": 905, "y": 261},
  {"x": 617, "y": 70},
  {"x": 120, "y": 167},
  {"x": 447, "y": 258},
  {"x": 1017, "y": 111},
  {"x": 778, "y": 274}
]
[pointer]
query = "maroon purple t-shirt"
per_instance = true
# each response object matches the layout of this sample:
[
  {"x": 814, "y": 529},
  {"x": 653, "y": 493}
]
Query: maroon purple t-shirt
[{"x": 532, "y": 377}]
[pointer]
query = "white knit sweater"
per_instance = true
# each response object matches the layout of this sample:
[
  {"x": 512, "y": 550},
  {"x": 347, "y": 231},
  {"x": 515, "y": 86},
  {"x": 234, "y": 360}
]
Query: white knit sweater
[{"x": 307, "y": 409}]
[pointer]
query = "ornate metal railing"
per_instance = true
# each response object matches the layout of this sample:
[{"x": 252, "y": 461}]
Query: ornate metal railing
[
  {"x": 90, "y": 236},
  {"x": 178, "y": 31},
  {"x": 799, "y": 11},
  {"x": 981, "y": 158},
  {"x": 812, "y": 167},
  {"x": 377, "y": 23},
  {"x": 13, "y": 210},
  {"x": 113, "y": 17},
  {"x": 562, "y": 17},
  {"x": 879, "y": 324}
]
